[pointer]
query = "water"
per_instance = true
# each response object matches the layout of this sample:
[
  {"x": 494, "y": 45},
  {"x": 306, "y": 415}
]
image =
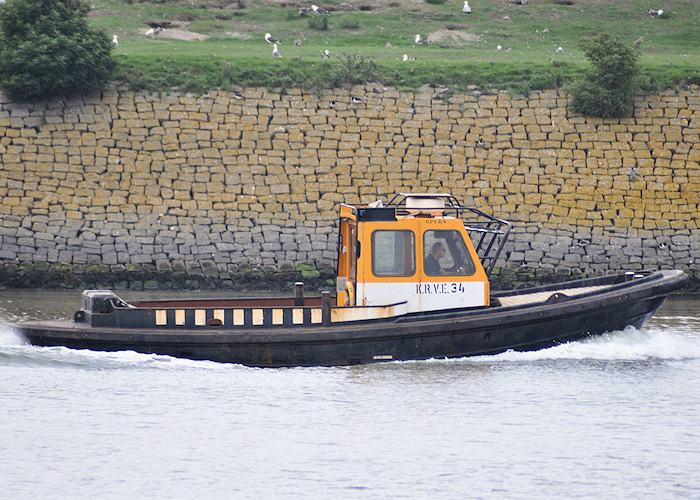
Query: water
[{"x": 610, "y": 417}]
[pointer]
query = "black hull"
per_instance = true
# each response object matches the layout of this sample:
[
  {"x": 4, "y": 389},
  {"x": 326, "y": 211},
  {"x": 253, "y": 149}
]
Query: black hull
[{"x": 444, "y": 334}]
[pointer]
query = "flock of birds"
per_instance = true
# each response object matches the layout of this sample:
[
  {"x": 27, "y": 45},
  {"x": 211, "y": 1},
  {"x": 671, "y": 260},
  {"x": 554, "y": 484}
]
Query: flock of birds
[
  {"x": 418, "y": 40},
  {"x": 297, "y": 43},
  {"x": 559, "y": 50},
  {"x": 303, "y": 11}
]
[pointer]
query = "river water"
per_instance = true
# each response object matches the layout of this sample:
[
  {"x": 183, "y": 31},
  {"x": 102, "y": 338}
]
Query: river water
[{"x": 616, "y": 416}]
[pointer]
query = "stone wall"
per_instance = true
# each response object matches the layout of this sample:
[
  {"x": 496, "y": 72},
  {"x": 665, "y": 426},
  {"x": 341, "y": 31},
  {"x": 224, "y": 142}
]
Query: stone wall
[{"x": 131, "y": 181}]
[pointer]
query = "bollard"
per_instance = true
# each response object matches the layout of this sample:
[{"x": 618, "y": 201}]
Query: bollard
[
  {"x": 326, "y": 308},
  {"x": 299, "y": 294}
]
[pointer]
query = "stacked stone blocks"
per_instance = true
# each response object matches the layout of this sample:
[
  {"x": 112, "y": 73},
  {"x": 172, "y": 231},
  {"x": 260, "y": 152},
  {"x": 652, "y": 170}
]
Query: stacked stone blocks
[{"x": 131, "y": 180}]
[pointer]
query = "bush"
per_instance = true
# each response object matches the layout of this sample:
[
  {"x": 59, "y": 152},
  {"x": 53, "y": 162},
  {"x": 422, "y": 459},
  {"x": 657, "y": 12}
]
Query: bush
[
  {"x": 607, "y": 91},
  {"x": 353, "y": 69},
  {"x": 48, "y": 48},
  {"x": 350, "y": 25},
  {"x": 318, "y": 22}
]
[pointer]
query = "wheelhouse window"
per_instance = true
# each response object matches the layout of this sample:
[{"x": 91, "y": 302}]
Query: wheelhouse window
[
  {"x": 446, "y": 254},
  {"x": 393, "y": 253}
]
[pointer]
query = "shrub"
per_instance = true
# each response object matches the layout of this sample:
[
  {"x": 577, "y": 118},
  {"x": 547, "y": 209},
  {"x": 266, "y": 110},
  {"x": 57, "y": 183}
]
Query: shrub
[
  {"x": 48, "y": 48},
  {"x": 226, "y": 75},
  {"x": 607, "y": 91},
  {"x": 350, "y": 25},
  {"x": 353, "y": 69},
  {"x": 318, "y": 23}
]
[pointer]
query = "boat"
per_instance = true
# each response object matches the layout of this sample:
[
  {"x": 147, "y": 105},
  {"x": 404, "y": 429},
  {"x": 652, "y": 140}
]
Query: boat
[{"x": 412, "y": 284}]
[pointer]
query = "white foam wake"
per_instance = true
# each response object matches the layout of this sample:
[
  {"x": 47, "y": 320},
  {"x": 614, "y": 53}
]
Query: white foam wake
[
  {"x": 629, "y": 344},
  {"x": 15, "y": 350},
  {"x": 58, "y": 357},
  {"x": 7, "y": 334}
]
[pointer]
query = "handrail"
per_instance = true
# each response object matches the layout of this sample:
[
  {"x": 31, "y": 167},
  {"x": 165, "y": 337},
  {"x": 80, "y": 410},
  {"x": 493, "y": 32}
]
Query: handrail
[{"x": 489, "y": 234}]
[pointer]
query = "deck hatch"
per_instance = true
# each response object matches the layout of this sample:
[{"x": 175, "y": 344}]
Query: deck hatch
[
  {"x": 161, "y": 317},
  {"x": 179, "y": 317},
  {"x": 258, "y": 316},
  {"x": 298, "y": 316},
  {"x": 219, "y": 314},
  {"x": 239, "y": 317}
]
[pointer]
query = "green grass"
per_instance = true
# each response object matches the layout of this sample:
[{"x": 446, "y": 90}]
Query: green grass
[{"x": 670, "y": 54}]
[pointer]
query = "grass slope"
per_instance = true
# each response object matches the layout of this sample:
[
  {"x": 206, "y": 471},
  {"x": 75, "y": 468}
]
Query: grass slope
[{"x": 374, "y": 35}]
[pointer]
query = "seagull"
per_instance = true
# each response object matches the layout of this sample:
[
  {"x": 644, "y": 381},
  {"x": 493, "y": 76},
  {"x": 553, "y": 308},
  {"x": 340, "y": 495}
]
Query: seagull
[
  {"x": 271, "y": 39},
  {"x": 499, "y": 48},
  {"x": 638, "y": 41},
  {"x": 297, "y": 43},
  {"x": 559, "y": 50},
  {"x": 238, "y": 95},
  {"x": 355, "y": 99},
  {"x": 419, "y": 40},
  {"x": 655, "y": 12},
  {"x": 304, "y": 10},
  {"x": 326, "y": 54},
  {"x": 405, "y": 57},
  {"x": 275, "y": 52},
  {"x": 318, "y": 10},
  {"x": 115, "y": 42},
  {"x": 154, "y": 32},
  {"x": 466, "y": 8}
]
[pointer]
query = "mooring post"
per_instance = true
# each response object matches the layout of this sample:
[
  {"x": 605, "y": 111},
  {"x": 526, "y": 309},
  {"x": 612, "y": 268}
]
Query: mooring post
[
  {"x": 326, "y": 308},
  {"x": 299, "y": 294}
]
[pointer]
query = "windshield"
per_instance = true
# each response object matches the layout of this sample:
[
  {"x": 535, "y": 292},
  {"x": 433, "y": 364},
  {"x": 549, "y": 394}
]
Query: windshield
[{"x": 445, "y": 253}]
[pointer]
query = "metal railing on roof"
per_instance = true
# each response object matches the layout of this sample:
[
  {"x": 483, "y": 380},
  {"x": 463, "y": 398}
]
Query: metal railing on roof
[{"x": 489, "y": 234}]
